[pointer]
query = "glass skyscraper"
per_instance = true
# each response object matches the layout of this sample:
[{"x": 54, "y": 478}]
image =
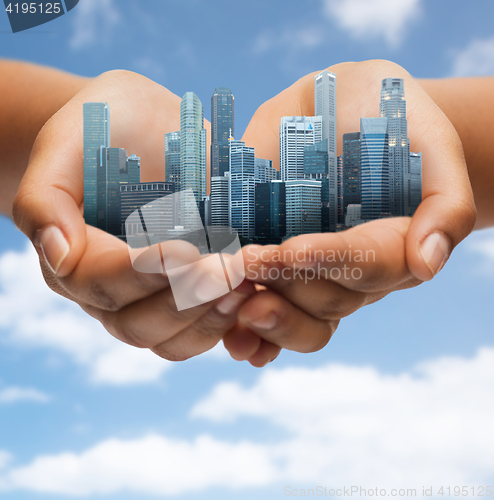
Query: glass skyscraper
[
  {"x": 393, "y": 107},
  {"x": 325, "y": 107},
  {"x": 352, "y": 182},
  {"x": 172, "y": 158},
  {"x": 303, "y": 207},
  {"x": 220, "y": 199},
  {"x": 415, "y": 182},
  {"x": 132, "y": 172},
  {"x": 242, "y": 188},
  {"x": 222, "y": 126},
  {"x": 374, "y": 158},
  {"x": 96, "y": 135},
  {"x": 270, "y": 211},
  {"x": 192, "y": 155}
]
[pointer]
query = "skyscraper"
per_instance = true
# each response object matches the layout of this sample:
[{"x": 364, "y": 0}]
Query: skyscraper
[
  {"x": 352, "y": 182},
  {"x": 264, "y": 170},
  {"x": 192, "y": 155},
  {"x": 222, "y": 126},
  {"x": 96, "y": 135},
  {"x": 325, "y": 107},
  {"x": 112, "y": 166},
  {"x": 270, "y": 211},
  {"x": 297, "y": 132},
  {"x": 374, "y": 158},
  {"x": 415, "y": 182},
  {"x": 220, "y": 200},
  {"x": 132, "y": 171},
  {"x": 172, "y": 158},
  {"x": 242, "y": 188},
  {"x": 303, "y": 207},
  {"x": 393, "y": 107}
]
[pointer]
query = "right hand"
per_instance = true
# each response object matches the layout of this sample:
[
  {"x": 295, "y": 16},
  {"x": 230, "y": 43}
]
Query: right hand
[{"x": 91, "y": 267}]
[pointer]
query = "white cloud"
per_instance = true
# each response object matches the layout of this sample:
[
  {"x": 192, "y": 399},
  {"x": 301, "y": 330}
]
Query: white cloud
[
  {"x": 482, "y": 244},
  {"x": 476, "y": 59},
  {"x": 35, "y": 317},
  {"x": 18, "y": 394},
  {"x": 350, "y": 424},
  {"x": 93, "y": 20},
  {"x": 363, "y": 19},
  {"x": 150, "y": 465},
  {"x": 339, "y": 425}
]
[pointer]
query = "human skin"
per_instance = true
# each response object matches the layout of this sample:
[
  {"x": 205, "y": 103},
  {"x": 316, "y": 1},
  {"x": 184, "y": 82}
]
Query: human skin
[{"x": 138, "y": 309}]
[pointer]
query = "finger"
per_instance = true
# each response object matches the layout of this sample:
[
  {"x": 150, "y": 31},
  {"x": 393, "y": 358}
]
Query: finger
[
  {"x": 279, "y": 322},
  {"x": 241, "y": 343},
  {"x": 266, "y": 353}
]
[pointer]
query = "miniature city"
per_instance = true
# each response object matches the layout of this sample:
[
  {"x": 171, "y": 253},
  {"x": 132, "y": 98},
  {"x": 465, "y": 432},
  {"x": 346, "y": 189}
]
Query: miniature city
[{"x": 314, "y": 191}]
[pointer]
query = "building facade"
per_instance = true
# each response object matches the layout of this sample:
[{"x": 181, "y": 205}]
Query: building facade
[
  {"x": 303, "y": 207},
  {"x": 393, "y": 107},
  {"x": 297, "y": 132},
  {"x": 192, "y": 156},
  {"x": 374, "y": 160},
  {"x": 415, "y": 182},
  {"x": 96, "y": 135},
  {"x": 172, "y": 158},
  {"x": 222, "y": 127},
  {"x": 220, "y": 200},
  {"x": 352, "y": 181},
  {"x": 242, "y": 189},
  {"x": 264, "y": 170}
]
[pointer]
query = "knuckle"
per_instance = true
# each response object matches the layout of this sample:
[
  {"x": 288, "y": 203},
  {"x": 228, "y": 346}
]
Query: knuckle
[
  {"x": 124, "y": 331},
  {"x": 102, "y": 298},
  {"x": 320, "y": 341}
]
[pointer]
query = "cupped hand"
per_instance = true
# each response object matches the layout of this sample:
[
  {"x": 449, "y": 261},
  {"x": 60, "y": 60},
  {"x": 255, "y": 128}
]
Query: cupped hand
[
  {"x": 92, "y": 267},
  {"x": 299, "y": 310}
]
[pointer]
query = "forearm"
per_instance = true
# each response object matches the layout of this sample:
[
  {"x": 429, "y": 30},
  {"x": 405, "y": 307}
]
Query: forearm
[
  {"x": 469, "y": 104},
  {"x": 30, "y": 96}
]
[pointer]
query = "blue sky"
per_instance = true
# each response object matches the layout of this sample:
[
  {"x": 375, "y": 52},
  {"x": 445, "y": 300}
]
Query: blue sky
[{"x": 402, "y": 395}]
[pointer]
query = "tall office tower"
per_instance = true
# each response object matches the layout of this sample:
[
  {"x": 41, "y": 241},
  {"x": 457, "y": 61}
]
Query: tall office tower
[
  {"x": 132, "y": 171},
  {"x": 264, "y": 170},
  {"x": 352, "y": 182},
  {"x": 325, "y": 107},
  {"x": 303, "y": 207},
  {"x": 160, "y": 217},
  {"x": 112, "y": 167},
  {"x": 222, "y": 127},
  {"x": 172, "y": 158},
  {"x": 341, "y": 210},
  {"x": 374, "y": 158},
  {"x": 192, "y": 156},
  {"x": 415, "y": 182},
  {"x": 316, "y": 168},
  {"x": 296, "y": 132},
  {"x": 242, "y": 188},
  {"x": 96, "y": 135},
  {"x": 220, "y": 200},
  {"x": 393, "y": 107},
  {"x": 270, "y": 219}
]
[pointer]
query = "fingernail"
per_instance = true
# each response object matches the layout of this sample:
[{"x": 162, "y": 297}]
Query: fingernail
[
  {"x": 267, "y": 322},
  {"x": 435, "y": 251},
  {"x": 54, "y": 247},
  {"x": 230, "y": 303}
]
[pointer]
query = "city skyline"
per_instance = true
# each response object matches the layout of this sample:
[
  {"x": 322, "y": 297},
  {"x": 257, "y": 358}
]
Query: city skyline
[{"x": 375, "y": 176}]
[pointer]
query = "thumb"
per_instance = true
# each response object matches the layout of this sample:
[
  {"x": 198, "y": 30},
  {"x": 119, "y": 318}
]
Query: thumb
[{"x": 47, "y": 205}]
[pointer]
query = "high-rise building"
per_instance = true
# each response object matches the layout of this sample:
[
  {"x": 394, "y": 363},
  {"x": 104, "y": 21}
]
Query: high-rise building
[
  {"x": 222, "y": 127},
  {"x": 415, "y": 182},
  {"x": 303, "y": 207},
  {"x": 160, "y": 217},
  {"x": 270, "y": 212},
  {"x": 96, "y": 135},
  {"x": 316, "y": 168},
  {"x": 172, "y": 158},
  {"x": 242, "y": 189},
  {"x": 220, "y": 200},
  {"x": 297, "y": 132},
  {"x": 112, "y": 171},
  {"x": 352, "y": 182},
  {"x": 132, "y": 171},
  {"x": 192, "y": 156},
  {"x": 264, "y": 170},
  {"x": 374, "y": 159},
  {"x": 325, "y": 107},
  {"x": 393, "y": 107},
  {"x": 341, "y": 210}
]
